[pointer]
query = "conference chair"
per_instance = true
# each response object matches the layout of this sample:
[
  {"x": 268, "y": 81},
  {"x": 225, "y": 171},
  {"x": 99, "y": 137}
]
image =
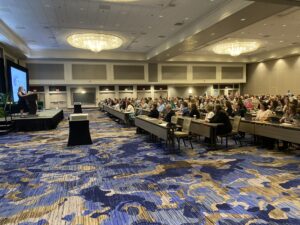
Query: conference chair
[
  {"x": 184, "y": 133},
  {"x": 174, "y": 123},
  {"x": 234, "y": 133}
]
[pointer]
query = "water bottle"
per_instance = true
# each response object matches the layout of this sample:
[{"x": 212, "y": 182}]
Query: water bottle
[{"x": 195, "y": 117}]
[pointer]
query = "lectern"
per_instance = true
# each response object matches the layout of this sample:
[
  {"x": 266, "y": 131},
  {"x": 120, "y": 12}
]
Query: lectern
[
  {"x": 79, "y": 131},
  {"x": 31, "y": 100}
]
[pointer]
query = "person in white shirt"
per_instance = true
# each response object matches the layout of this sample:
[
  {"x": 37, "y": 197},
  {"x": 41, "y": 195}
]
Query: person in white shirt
[
  {"x": 210, "y": 112},
  {"x": 117, "y": 106},
  {"x": 129, "y": 108},
  {"x": 264, "y": 113},
  {"x": 144, "y": 105}
]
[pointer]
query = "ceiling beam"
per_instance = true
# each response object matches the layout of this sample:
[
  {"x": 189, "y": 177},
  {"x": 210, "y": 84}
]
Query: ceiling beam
[
  {"x": 281, "y": 2},
  {"x": 252, "y": 13},
  {"x": 12, "y": 39}
]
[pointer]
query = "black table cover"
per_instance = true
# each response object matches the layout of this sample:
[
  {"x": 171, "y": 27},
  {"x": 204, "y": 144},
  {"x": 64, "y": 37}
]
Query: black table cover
[
  {"x": 79, "y": 133},
  {"x": 77, "y": 108}
]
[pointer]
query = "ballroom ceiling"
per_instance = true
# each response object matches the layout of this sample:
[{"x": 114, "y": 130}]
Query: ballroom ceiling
[{"x": 155, "y": 30}]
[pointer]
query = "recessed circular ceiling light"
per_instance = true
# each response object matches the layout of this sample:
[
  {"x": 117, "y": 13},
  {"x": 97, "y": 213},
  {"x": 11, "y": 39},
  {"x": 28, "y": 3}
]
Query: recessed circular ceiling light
[{"x": 94, "y": 41}]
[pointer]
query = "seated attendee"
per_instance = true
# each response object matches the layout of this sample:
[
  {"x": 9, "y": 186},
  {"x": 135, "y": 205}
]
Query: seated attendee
[
  {"x": 169, "y": 113},
  {"x": 129, "y": 108},
  {"x": 185, "y": 110},
  {"x": 210, "y": 112},
  {"x": 144, "y": 105},
  {"x": 274, "y": 105},
  {"x": 264, "y": 113},
  {"x": 117, "y": 105},
  {"x": 194, "y": 111},
  {"x": 161, "y": 106},
  {"x": 255, "y": 102},
  {"x": 288, "y": 117},
  {"x": 173, "y": 104},
  {"x": 248, "y": 104},
  {"x": 22, "y": 102},
  {"x": 229, "y": 109},
  {"x": 154, "y": 112},
  {"x": 285, "y": 104},
  {"x": 221, "y": 117},
  {"x": 123, "y": 105},
  {"x": 240, "y": 109}
]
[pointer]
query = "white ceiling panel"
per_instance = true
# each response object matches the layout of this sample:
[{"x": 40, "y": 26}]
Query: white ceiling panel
[{"x": 144, "y": 24}]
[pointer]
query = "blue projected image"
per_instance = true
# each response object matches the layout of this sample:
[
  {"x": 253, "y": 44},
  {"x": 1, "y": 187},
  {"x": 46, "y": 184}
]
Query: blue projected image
[{"x": 18, "y": 78}]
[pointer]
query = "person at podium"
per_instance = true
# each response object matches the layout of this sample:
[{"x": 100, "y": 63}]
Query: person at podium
[{"x": 22, "y": 102}]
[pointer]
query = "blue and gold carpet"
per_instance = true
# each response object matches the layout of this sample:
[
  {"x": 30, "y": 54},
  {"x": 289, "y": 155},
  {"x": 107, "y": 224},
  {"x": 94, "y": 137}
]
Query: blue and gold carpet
[{"x": 124, "y": 179}]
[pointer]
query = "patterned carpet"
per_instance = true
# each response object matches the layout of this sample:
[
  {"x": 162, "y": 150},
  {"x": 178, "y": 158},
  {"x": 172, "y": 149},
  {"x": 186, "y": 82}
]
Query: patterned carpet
[{"x": 125, "y": 179}]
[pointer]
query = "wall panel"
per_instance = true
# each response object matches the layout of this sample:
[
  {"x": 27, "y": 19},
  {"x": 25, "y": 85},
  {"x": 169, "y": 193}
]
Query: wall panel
[
  {"x": 204, "y": 72},
  {"x": 38, "y": 71},
  {"x": 232, "y": 73},
  {"x": 89, "y": 72},
  {"x": 129, "y": 72},
  {"x": 173, "y": 72},
  {"x": 153, "y": 72}
]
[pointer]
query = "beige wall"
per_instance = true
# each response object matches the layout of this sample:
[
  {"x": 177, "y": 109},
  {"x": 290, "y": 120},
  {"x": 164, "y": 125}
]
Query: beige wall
[
  {"x": 273, "y": 77},
  {"x": 187, "y": 91}
]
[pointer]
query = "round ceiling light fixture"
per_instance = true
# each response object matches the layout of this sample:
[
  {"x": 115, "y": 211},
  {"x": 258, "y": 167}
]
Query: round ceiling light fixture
[
  {"x": 235, "y": 47},
  {"x": 94, "y": 41}
]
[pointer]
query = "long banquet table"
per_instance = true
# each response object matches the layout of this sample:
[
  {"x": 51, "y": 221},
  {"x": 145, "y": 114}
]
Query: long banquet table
[
  {"x": 124, "y": 116},
  {"x": 203, "y": 128},
  {"x": 284, "y": 132},
  {"x": 154, "y": 126}
]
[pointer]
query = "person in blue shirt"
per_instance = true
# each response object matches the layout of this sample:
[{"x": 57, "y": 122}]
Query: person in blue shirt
[
  {"x": 185, "y": 109},
  {"x": 161, "y": 107}
]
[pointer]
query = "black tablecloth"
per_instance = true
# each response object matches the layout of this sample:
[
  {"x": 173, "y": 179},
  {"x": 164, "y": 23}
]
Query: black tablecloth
[
  {"x": 79, "y": 133},
  {"x": 77, "y": 108},
  {"x": 37, "y": 123}
]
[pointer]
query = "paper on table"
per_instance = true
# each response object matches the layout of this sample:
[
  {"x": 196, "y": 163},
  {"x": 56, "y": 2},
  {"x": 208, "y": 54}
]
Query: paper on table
[
  {"x": 163, "y": 124},
  {"x": 286, "y": 124}
]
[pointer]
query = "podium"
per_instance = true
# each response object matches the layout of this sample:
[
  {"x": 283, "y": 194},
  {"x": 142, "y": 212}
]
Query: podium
[
  {"x": 31, "y": 100},
  {"x": 77, "y": 107},
  {"x": 79, "y": 130}
]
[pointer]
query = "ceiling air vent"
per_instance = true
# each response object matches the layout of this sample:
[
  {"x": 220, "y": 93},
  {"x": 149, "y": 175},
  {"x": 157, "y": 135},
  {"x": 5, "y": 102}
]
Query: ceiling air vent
[
  {"x": 179, "y": 24},
  {"x": 266, "y": 35}
]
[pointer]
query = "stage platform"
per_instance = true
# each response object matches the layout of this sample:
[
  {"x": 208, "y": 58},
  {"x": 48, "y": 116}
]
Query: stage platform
[{"x": 43, "y": 120}]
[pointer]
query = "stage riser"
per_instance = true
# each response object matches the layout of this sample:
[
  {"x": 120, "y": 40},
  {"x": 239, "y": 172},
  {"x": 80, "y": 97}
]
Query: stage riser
[{"x": 41, "y": 122}]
